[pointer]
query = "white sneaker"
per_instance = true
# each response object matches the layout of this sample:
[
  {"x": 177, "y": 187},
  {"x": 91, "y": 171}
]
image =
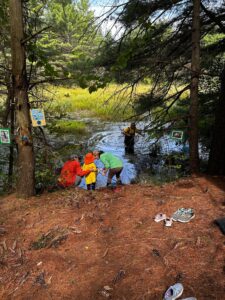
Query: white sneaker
[
  {"x": 183, "y": 215},
  {"x": 168, "y": 222},
  {"x": 189, "y": 298},
  {"x": 174, "y": 292},
  {"x": 159, "y": 217}
]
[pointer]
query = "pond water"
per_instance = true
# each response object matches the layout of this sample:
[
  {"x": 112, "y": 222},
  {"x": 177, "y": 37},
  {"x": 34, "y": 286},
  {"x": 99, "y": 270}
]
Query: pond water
[
  {"x": 107, "y": 136},
  {"x": 139, "y": 166}
]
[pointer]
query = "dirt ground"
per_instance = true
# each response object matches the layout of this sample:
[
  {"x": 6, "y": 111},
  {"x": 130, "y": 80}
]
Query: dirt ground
[{"x": 76, "y": 244}]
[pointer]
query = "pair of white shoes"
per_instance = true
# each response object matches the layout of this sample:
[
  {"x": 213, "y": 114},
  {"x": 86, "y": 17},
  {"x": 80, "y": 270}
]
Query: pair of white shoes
[
  {"x": 162, "y": 217},
  {"x": 175, "y": 291}
]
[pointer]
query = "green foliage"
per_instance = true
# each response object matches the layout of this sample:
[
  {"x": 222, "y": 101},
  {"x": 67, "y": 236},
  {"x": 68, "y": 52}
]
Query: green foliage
[
  {"x": 159, "y": 51},
  {"x": 57, "y": 109},
  {"x": 46, "y": 165},
  {"x": 67, "y": 150},
  {"x": 108, "y": 104},
  {"x": 70, "y": 41},
  {"x": 4, "y": 178},
  {"x": 212, "y": 38},
  {"x": 68, "y": 127}
]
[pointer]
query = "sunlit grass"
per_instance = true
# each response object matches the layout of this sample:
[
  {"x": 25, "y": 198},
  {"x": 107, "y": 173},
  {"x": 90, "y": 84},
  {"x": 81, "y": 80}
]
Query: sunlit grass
[
  {"x": 68, "y": 127},
  {"x": 112, "y": 103}
]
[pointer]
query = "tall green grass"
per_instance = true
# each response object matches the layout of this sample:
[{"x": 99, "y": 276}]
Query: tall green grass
[
  {"x": 68, "y": 127},
  {"x": 112, "y": 103}
]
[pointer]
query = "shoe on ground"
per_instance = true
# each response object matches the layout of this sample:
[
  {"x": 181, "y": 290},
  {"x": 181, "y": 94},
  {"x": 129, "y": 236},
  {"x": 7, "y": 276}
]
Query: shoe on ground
[
  {"x": 168, "y": 222},
  {"x": 185, "y": 218},
  {"x": 159, "y": 217},
  {"x": 183, "y": 215},
  {"x": 174, "y": 292}
]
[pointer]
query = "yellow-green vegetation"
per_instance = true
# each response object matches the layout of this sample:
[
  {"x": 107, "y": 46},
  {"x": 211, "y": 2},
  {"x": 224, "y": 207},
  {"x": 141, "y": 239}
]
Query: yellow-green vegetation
[
  {"x": 68, "y": 127},
  {"x": 175, "y": 89},
  {"x": 2, "y": 103},
  {"x": 168, "y": 101},
  {"x": 213, "y": 38},
  {"x": 111, "y": 103}
]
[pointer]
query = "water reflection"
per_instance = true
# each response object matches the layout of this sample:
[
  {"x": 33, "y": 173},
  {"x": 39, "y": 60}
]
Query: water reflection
[
  {"x": 138, "y": 166},
  {"x": 111, "y": 140}
]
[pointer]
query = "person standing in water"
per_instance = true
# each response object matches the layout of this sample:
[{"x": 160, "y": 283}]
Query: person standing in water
[{"x": 129, "y": 135}]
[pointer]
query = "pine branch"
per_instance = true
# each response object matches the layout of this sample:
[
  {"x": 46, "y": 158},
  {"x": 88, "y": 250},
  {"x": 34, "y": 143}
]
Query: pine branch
[
  {"x": 34, "y": 35},
  {"x": 213, "y": 17}
]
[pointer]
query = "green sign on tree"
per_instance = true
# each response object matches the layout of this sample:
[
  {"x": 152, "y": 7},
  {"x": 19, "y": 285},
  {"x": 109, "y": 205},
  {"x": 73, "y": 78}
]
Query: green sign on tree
[
  {"x": 177, "y": 135},
  {"x": 5, "y": 136}
]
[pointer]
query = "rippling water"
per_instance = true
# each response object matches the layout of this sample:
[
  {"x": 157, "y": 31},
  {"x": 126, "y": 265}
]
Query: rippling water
[
  {"x": 136, "y": 166},
  {"x": 108, "y": 137}
]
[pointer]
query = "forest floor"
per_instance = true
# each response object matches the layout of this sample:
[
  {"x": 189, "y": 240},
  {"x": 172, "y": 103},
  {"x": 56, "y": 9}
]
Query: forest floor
[{"x": 75, "y": 244}]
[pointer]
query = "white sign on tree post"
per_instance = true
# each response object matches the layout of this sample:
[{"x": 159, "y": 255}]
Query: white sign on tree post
[{"x": 37, "y": 117}]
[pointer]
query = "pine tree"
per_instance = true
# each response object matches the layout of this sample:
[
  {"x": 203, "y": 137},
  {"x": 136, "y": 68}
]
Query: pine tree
[
  {"x": 25, "y": 182},
  {"x": 156, "y": 45},
  {"x": 68, "y": 44}
]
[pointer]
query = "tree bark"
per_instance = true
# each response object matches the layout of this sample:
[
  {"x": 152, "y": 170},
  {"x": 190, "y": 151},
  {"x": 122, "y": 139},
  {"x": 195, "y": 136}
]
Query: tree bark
[
  {"x": 12, "y": 127},
  {"x": 25, "y": 181},
  {"x": 195, "y": 71},
  {"x": 216, "y": 164}
]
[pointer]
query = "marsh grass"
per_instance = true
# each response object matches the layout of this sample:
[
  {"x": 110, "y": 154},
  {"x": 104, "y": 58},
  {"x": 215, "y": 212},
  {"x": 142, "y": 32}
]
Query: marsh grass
[
  {"x": 113, "y": 103},
  {"x": 68, "y": 127}
]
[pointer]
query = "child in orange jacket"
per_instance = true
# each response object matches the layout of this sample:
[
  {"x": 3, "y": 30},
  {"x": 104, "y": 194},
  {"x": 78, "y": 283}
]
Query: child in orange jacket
[{"x": 71, "y": 173}]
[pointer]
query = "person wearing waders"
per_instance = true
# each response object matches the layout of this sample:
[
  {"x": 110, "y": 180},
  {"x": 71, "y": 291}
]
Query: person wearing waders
[{"x": 129, "y": 135}]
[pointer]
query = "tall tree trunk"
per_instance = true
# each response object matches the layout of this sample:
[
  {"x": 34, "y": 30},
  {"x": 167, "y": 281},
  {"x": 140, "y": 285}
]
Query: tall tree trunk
[
  {"x": 25, "y": 182},
  {"x": 195, "y": 71},
  {"x": 216, "y": 164},
  {"x": 9, "y": 115},
  {"x": 12, "y": 127}
]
